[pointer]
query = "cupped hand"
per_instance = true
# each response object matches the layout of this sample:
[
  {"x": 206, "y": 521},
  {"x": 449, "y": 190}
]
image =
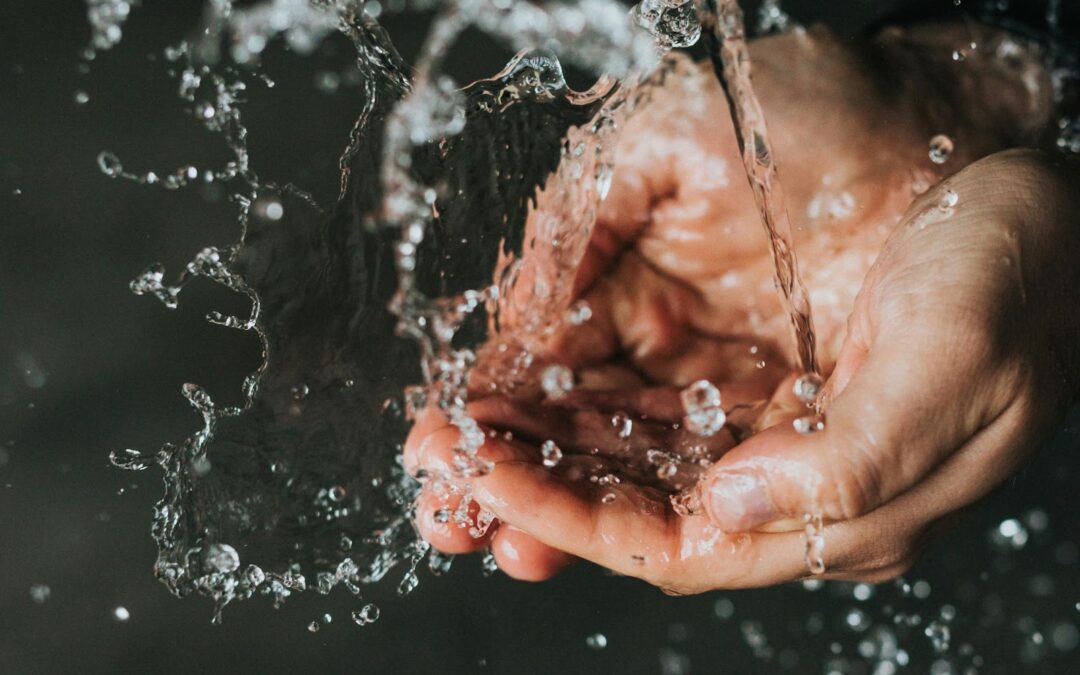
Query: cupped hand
[{"x": 945, "y": 370}]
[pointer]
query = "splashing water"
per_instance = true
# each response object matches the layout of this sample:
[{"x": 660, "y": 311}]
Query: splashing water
[{"x": 306, "y": 472}]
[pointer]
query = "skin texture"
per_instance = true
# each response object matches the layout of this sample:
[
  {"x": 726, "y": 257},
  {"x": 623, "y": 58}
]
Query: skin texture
[{"x": 943, "y": 299}]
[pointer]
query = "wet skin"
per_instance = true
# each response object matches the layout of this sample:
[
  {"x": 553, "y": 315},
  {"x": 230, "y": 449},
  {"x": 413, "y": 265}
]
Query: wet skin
[{"x": 947, "y": 331}]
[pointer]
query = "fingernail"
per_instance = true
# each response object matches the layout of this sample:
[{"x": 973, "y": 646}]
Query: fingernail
[{"x": 740, "y": 501}]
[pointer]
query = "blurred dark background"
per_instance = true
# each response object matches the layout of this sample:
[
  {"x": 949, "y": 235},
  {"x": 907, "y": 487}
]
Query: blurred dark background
[{"x": 86, "y": 367}]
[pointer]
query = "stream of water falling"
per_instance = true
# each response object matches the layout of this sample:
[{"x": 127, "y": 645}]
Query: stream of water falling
[{"x": 726, "y": 40}]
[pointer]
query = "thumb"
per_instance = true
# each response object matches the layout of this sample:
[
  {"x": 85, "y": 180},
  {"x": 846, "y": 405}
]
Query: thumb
[{"x": 906, "y": 406}]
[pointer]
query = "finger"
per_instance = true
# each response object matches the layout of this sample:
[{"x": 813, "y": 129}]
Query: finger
[
  {"x": 427, "y": 421},
  {"x": 586, "y": 431},
  {"x": 523, "y": 557},
  {"x": 635, "y": 533},
  {"x": 439, "y": 453},
  {"x": 443, "y": 523},
  {"x": 887, "y": 429}
]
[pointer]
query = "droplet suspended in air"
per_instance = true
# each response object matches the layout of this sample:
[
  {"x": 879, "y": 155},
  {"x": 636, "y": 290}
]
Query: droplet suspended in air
[
  {"x": 941, "y": 148},
  {"x": 369, "y": 613},
  {"x": 110, "y": 164},
  {"x": 222, "y": 558},
  {"x": 596, "y": 641}
]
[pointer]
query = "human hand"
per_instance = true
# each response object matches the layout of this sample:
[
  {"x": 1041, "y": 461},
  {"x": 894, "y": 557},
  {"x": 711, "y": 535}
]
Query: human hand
[{"x": 932, "y": 401}]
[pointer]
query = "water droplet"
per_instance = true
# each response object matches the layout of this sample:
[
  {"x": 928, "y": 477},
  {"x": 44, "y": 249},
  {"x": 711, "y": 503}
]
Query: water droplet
[
  {"x": 131, "y": 460},
  {"x": 39, "y": 593},
  {"x": 579, "y": 313},
  {"x": 314, "y": 627},
  {"x": 809, "y": 424},
  {"x": 857, "y": 620},
  {"x": 686, "y": 503},
  {"x": 1010, "y": 534},
  {"x": 939, "y": 634},
  {"x": 702, "y": 405},
  {"x": 81, "y": 98},
  {"x": 551, "y": 453},
  {"x": 222, "y": 558},
  {"x": 608, "y": 498},
  {"x": 807, "y": 388},
  {"x": 724, "y": 609},
  {"x": 254, "y": 575},
  {"x": 557, "y": 381},
  {"x": 110, "y": 164},
  {"x": 949, "y": 200},
  {"x": 596, "y": 641},
  {"x": 623, "y": 425},
  {"x": 121, "y": 614},
  {"x": 369, "y": 613},
  {"x": 941, "y": 148}
]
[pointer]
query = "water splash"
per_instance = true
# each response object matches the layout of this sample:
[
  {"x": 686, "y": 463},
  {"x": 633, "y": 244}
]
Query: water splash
[{"x": 316, "y": 499}]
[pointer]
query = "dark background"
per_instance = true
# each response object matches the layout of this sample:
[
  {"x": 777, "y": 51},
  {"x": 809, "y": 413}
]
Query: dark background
[{"x": 106, "y": 367}]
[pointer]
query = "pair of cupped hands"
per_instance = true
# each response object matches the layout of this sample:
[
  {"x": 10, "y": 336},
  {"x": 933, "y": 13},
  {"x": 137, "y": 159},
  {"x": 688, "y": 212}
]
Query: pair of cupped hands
[{"x": 945, "y": 300}]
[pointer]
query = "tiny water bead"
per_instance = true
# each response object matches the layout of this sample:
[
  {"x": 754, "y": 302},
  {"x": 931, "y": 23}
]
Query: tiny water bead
[
  {"x": 368, "y": 613},
  {"x": 557, "y": 381},
  {"x": 81, "y": 98},
  {"x": 701, "y": 404},
  {"x": 254, "y": 575},
  {"x": 110, "y": 164},
  {"x": 596, "y": 641},
  {"x": 622, "y": 424},
  {"x": 666, "y": 463},
  {"x": 579, "y": 313},
  {"x": 1010, "y": 534},
  {"x": 39, "y": 593},
  {"x": 121, "y": 614},
  {"x": 222, "y": 558},
  {"x": 809, "y": 424},
  {"x": 941, "y": 148},
  {"x": 550, "y": 453},
  {"x": 807, "y": 388},
  {"x": 948, "y": 202}
]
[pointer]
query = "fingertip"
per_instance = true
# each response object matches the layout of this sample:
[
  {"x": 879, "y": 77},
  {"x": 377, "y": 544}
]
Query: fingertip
[
  {"x": 525, "y": 558},
  {"x": 426, "y": 423},
  {"x": 436, "y": 523}
]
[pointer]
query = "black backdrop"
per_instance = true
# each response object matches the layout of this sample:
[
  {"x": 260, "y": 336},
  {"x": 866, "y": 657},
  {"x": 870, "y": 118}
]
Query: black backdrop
[{"x": 112, "y": 365}]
